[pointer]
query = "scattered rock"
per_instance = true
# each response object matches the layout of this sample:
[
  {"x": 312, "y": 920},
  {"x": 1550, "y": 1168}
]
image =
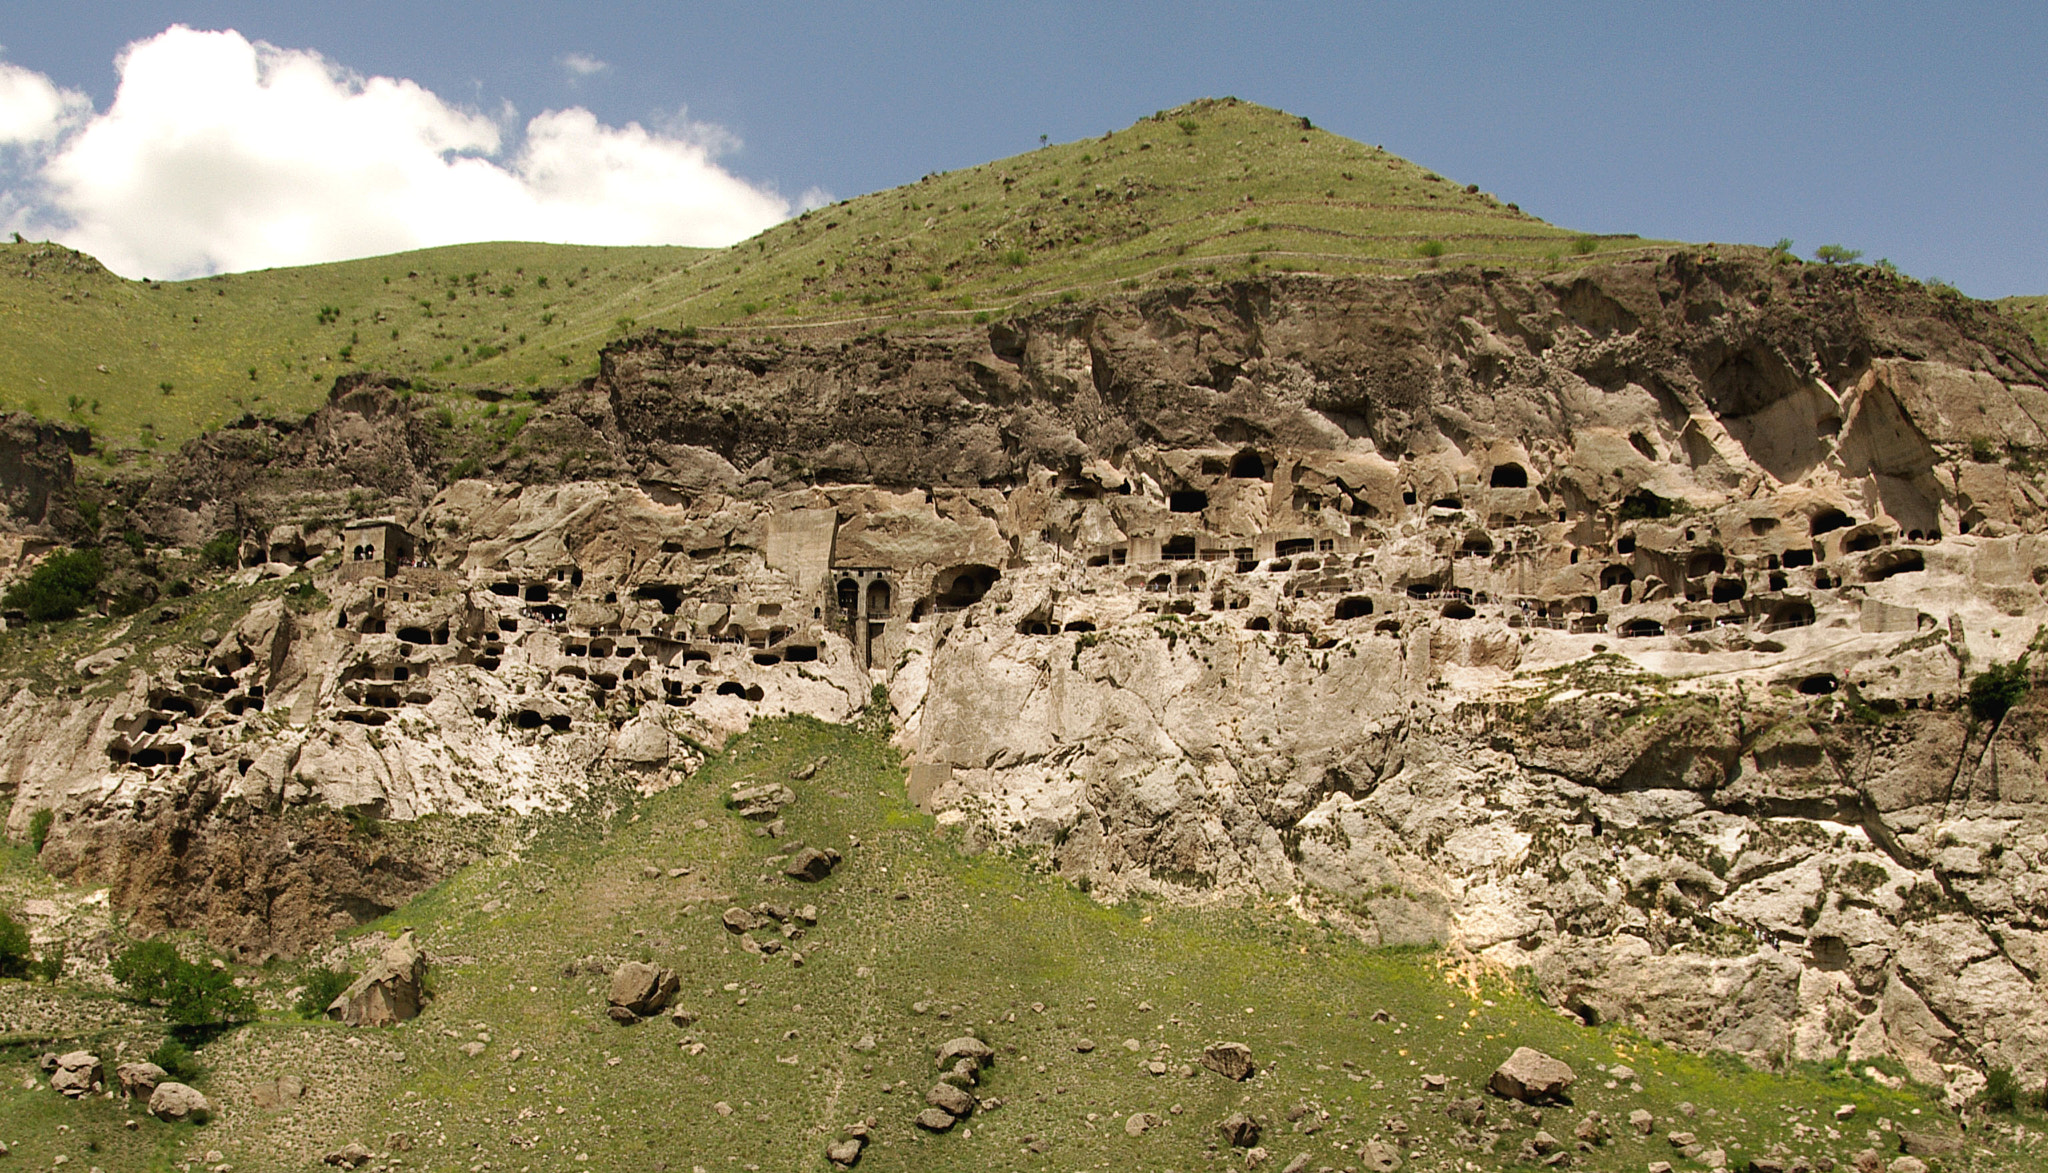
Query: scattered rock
[
  {"x": 845, "y": 1153},
  {"x": 1907, "y": 1165},
  {"x": 353, "y": 1155},
  {"x": 935, "y": 1119},
  {"x": 1929, "y": 1144},
  {"x": 956, "y": 1101},
  {"x": 392, "y": 990},
  {"x": 1239, "y": 1130},
  {"x": 1229, "y": 1060},
  {"x": 1642, "y": 1121},
  {"x": 761, "y": 801},
  {"x": 138, "y": 1080},
  {"x": 641, "y": 990},
  {"x": 77, "y": 1074},
  {"x": 1532, "y": 1077},
  {"x": 739, "y": 920},
  {"x": 176, "y": 1103},
  {"x": 811, "y": 865},
  {"x": 1379, "y": 1156},
  {"x": 1435, "y": 1083},
  {"x": 1084, "y": 1045},
  {"x": 1469, "y": 1111},
  {"x": 811, "y": 771},
  {"x": 1140, "y": 1123},
  {"x": 965, "y": 1047}
]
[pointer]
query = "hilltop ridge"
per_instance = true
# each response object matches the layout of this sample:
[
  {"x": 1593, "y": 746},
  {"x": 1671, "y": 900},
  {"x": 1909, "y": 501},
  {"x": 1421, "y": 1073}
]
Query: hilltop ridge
[{"x": 1207, "y": 191}]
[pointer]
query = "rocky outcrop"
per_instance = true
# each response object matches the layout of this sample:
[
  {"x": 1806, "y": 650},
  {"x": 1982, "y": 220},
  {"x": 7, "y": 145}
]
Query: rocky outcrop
[
  {"x": 390, "y": 991},
  {"x": 1617, "y": 623}
]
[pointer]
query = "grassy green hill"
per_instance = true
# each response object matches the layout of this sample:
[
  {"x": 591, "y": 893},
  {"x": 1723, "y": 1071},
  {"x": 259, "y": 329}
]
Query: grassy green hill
[
  {"x": 916, "y": 941},
  {"x": 1212, "y": 189}
]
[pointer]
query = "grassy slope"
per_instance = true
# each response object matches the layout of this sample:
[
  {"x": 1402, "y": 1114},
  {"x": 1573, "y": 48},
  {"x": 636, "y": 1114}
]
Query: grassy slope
[
  {"x": 2032, "y": 313},
  {"x": 979, "y": 943},
  {"x": 1211, "y": 189}
]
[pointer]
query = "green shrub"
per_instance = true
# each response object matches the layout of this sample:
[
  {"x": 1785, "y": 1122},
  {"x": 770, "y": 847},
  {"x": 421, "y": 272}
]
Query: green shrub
[
  {"x": 1585, "y": 245},
  {"x": 178, "y": 1061},
  {"x": 1016, "y": 258},
  {"x": 2001, "y": 1092},
  {"x": 191, "y": 995},
  {"x": 1430, "y": 248},
  {"x": 222, "y": 551},
  {"x": 1995, "y": 690},
  {"x": 59, "y": 588},
  {"x": 39, "y": 828},
  {"x": 323, "y": 986},
  {"x": 1835, "y": 254},
  {"x": 14, "y": 948},
  {"x": 50, "y": 966}
]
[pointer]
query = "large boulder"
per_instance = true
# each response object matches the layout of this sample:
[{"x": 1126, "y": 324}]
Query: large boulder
[
  {"x": 1239, "y": 1130},
  {"x": 811, "y": 865},
  {"x": 176, "y": 1103},
  {"x": 640, "y": 990},
  {"x": 78, "y": 1073},
  {"x": 392, "y": 990},
  {"x": 953, "y": 1100},
  {"x": 1532, "y": 1077},
  {"x": 139, "y": 1080},
  {"x": 1229, "y": 1060}
]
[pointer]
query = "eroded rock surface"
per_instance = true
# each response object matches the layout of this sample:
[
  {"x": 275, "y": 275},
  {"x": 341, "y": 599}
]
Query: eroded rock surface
[{"x": 1617, "y": 623}]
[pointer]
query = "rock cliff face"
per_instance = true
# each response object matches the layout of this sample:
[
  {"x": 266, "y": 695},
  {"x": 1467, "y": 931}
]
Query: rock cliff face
[{"x": 1619, "y": 624}]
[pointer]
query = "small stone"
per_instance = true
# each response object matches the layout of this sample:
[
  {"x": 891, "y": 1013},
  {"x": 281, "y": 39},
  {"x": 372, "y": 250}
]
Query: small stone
[
  {"x": 1141, "y": 1123},
  {"x": 1435, "y": 1083},
  {"x": 935, "y": 1120},
  {"x": 1084, "y": 1045},
  {"x": 1642, "y": 1121}
]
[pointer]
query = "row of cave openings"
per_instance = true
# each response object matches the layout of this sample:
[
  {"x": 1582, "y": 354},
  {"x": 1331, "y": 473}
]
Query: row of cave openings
[{"x": 146, "y": 740}]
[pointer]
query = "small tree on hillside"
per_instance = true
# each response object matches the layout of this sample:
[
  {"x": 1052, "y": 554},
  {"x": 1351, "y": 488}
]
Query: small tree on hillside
[
  {"x": 191, "y": 995},
  {"x": 1835, "y": 254},
  {"x": 59, "y": 588}
]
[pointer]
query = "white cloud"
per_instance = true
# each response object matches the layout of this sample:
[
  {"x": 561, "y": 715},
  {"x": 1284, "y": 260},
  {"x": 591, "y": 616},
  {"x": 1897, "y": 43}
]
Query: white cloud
[
  {"x": 582, "y": 64},
  {"x": 219, "y": 154},
  {"x": 33, "y": 110}
]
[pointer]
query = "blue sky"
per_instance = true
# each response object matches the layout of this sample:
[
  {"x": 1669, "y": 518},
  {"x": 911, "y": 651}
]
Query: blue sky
[{"x": 1915, "y": 133}]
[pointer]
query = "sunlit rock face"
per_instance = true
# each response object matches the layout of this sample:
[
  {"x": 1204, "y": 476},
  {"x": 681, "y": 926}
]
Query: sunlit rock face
[{"x": 1618, "y": 624}]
